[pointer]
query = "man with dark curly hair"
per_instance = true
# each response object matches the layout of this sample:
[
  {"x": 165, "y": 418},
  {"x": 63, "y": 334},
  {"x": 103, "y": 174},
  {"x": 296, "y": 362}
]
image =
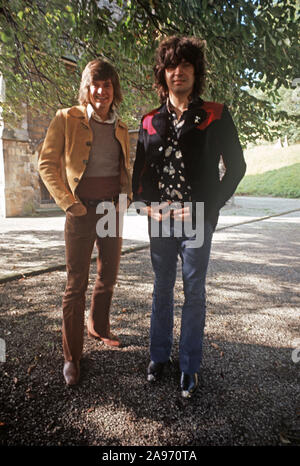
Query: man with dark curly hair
[{"x": 176, "y": 175}]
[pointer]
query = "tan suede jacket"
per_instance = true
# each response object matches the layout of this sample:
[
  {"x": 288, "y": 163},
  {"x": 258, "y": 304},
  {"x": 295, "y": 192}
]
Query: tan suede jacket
[{"x": 65, "y": 154}]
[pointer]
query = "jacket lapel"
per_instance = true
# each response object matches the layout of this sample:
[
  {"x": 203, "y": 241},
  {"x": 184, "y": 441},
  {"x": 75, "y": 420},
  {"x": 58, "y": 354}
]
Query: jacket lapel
[
  {"x": 160, "y": 122},
  {"x": 158, "y": 140},
  {"x": 195, "y": 116},
  {"x": 80, "y": 112}
]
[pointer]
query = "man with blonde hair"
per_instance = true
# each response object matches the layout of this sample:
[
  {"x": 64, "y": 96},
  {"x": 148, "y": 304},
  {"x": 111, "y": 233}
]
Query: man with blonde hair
[{"x": 84, "y": 161}]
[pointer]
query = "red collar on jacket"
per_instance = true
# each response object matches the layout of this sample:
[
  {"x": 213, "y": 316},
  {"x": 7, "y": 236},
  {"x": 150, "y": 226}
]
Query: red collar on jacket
[{"x": 202, "y": 115}]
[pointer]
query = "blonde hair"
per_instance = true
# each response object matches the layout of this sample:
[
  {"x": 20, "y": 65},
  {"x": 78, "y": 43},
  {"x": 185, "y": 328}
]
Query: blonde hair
[{"x": 99, "y": 70}]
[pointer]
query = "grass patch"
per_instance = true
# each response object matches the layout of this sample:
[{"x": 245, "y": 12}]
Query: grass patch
[{"x": 272, "y": 172}]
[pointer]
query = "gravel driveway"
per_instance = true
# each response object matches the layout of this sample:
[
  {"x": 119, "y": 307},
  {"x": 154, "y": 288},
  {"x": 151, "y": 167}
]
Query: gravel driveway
[{"x": 249, "y": 382}]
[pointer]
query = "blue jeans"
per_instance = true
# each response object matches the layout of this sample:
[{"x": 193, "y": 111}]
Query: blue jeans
[{"x": 164, "y": 255}]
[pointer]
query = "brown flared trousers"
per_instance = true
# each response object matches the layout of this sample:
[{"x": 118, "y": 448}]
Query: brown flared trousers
[{"x": 80, "y": 237}]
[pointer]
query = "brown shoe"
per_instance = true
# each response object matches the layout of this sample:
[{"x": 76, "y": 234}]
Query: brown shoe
[
  {"x": 71, "y": 372},
  {"x": 110, "y": 340}
]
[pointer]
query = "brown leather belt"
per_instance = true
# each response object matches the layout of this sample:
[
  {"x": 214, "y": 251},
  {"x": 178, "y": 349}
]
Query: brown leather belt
[{"x": 95, "y": 202}]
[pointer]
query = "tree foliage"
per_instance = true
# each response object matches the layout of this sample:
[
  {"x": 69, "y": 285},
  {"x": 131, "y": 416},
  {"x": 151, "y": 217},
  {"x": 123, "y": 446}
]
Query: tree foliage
[
  {"x": 286, "y": 105},
  {"x": 249, "y": 43}
]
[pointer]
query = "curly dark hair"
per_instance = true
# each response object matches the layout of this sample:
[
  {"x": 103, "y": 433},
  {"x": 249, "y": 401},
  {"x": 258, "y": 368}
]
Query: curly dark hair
[{"x": 171, "y": 51}]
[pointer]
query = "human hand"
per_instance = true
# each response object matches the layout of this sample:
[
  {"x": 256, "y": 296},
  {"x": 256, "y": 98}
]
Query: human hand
[
  {"x": 182, "y": 213},
  {"x": 78, "y": 210},
  {"x": 158, "y": 212}
]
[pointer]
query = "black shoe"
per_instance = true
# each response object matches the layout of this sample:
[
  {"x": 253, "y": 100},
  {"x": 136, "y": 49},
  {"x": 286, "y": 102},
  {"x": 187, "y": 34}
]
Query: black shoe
[
  {"x": 189, "y": 384},
  {"x": 155, "y": 370}
]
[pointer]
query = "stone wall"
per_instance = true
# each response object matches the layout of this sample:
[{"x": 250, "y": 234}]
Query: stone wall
[
  {"x": 2, "y": 177},
  {"x": 37, "y": 126},
  {"x": 22, "y": 190}
]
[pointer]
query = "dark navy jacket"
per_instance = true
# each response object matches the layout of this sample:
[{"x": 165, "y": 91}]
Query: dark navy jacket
[{"x": 207, "y": 134}]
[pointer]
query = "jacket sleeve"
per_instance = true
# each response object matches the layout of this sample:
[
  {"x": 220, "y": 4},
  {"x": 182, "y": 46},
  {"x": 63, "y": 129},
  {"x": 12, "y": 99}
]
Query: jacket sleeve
[
  {"x": 233, "y": 158},
  {"x": 51, "y": 162},
  {"x": 138, "y": 166}
]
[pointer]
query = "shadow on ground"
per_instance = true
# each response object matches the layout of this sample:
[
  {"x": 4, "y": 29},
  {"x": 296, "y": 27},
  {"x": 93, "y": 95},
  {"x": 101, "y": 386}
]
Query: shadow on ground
[{"x": 249, "y": 383}]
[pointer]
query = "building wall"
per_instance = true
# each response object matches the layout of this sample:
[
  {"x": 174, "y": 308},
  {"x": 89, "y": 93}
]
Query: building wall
[
  {"x": 2, "y": 177},
  {"x": 37, "y": 126},
  {"x": 22, "y": 190}
]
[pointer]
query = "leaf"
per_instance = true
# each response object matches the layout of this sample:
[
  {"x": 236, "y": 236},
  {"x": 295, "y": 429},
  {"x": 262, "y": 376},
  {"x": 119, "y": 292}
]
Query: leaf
[
  {"x": 214, "y": 345},
  {"x": 239, "y": 37},
  {"x": 4, "y": 37},
  {"x": 29, "y": 393},
  {"x": 272, "y": 39},
  {"x": 30, "y": 368}
]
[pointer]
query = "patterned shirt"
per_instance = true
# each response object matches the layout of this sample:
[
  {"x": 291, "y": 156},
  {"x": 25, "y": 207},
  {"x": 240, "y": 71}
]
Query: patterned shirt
[{"x": 173, "y": 184}]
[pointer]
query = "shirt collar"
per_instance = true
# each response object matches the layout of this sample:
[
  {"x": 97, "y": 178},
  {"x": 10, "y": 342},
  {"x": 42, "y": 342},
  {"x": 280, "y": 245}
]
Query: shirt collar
[
  {"x": 170, "y": 106},
  {"x": 191, "y": 104},
  {"x": 92, "y": 114}
]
